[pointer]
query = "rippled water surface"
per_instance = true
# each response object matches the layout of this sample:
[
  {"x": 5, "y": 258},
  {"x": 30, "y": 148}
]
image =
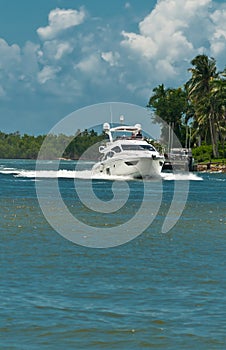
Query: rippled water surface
[{"x": 158, "y": 291}]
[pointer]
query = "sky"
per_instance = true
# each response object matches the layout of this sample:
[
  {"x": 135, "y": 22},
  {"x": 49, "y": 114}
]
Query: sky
[{"x": 58, "y": 56}]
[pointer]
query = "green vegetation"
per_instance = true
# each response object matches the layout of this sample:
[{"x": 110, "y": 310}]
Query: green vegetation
[
  {"x": 81, "y": 143},
  {"x": 170, "y": 105},
  {"x": 204, "y": 154},
  {"x": 197, "y": 109},
  {"x": 16, "y": 146}
]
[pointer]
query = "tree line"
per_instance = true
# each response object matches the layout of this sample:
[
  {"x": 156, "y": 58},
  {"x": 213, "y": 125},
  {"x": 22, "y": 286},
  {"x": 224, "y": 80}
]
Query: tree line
[
  {"x": 16, "y": 146},
  {"x": 197, "y": 110}
]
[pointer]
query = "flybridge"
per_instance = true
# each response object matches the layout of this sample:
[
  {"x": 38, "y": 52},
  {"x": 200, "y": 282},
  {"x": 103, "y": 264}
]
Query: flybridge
[
  {"x": 136, "y": 127},
  {"x": 135, "y": 130}
]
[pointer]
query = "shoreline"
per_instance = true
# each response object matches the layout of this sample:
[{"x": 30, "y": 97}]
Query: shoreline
[{"x": 210, "y": 168}]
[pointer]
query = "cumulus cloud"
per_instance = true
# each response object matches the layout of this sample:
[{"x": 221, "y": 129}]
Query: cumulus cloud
[
  {"x": 140, "y": 44},
  {"x": 55, "y": 50},
  {"x": 10, "y": 63},
  {"x": 29, "y": 59},
  {"x": 59, "y": 20},
  {"x": 47, "y": 73},
  {"x": 100, "y": 62},
  {"x": 63, "y": 48},
  {"x": 112, "y": 58},
  {"x": 88, "y": 64},
  {"x": 10, "y": 55},
  {"x": 218, "y": 41},
  {"x": 174, "y": 32}
]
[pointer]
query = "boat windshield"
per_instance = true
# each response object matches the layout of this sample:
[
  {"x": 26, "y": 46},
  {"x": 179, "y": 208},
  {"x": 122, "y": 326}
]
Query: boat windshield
[{"x": 138, "y": 148}]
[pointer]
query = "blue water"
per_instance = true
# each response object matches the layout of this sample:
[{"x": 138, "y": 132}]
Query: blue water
[{"x": 158, "y": 291}]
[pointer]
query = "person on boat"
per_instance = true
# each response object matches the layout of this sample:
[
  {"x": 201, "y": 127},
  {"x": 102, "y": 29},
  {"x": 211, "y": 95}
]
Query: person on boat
[{"x": 139, "y": 135}]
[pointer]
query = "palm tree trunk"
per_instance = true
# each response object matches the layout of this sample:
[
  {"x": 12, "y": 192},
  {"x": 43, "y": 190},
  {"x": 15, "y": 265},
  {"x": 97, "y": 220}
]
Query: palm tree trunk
[{"x": 213, "y": 135}]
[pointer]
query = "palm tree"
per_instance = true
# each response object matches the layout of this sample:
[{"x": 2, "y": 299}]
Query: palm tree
[
  {"x": 204, "y": 71},
  {"x": 218, "y": 92},
  {"x": 170, "y": 105}
]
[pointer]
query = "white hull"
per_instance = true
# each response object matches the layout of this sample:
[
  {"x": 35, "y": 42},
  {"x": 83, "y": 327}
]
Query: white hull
[
  {"x": 128, "y": 156},
  {"x": 131, "y": 166}
]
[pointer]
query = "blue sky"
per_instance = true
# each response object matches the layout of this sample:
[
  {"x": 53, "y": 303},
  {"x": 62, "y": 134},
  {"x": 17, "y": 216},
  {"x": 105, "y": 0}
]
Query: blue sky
[{"x": 57, "y": 56}]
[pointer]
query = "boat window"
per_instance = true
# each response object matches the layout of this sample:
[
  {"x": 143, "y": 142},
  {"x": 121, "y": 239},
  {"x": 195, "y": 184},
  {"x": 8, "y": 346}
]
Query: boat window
[
  {"x": 137, "y": 148},
  {"x": 116, "y": 149},
  {"x": 148, "y": 147},
  {"x": 110, "y": 154},
  {"x": 131, "y": 148}
]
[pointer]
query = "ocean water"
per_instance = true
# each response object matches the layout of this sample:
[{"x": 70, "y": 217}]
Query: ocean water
[{"x": 158, "y": 291}]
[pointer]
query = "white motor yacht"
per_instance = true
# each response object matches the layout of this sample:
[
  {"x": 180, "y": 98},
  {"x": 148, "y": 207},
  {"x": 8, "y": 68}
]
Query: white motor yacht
[{"x": 127, "y": 153}]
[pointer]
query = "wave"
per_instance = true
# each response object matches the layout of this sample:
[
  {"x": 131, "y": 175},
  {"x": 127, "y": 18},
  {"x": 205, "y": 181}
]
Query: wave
[
  {"x": 181, "y": 176},
  {"x": 87, "y": 174}
]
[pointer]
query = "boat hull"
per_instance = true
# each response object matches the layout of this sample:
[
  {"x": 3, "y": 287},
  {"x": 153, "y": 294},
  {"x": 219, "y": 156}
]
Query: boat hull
[{"x": 132, "y": 166}]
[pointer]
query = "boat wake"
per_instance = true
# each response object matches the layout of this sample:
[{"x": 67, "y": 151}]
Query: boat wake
[
  {"x": 181, "y": 176},
  {"x": 88, "y": 174}
]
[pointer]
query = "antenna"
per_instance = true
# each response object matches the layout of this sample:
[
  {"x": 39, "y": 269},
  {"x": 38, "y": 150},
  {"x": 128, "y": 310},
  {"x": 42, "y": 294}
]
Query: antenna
[{"x": 111, "y": 115}]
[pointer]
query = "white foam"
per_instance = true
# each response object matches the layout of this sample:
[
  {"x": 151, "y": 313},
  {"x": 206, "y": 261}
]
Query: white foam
[
  {"x": 88, "y": 174},
  {"x": 9, "y": 171},
  {"x": 65, "y": 174},
  {"x": 181, "y": 176}
]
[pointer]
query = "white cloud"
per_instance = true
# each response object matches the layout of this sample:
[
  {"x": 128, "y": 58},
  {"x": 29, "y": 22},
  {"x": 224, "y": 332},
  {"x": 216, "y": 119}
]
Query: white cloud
[
  {"x": 47, "y": 73},
  {"x": 140, "y": 44},
  {"x": 218, "y": 41},
  {"x": 89, "y": 64},
  {"x": 100, "y": 61},
  {"x": 173, "y": 33},
  {"x": 59, "y": 20},
  {"x": 10, "y": 56},
  {"x": 29, "y": 59},
  {"x": 219, "y": 19},
  {"x": 165, "y": 69},
  {"x": 10, "y": 68},
  {"x": 111, "y": 57},
  {"x": 55, "y": 50},
  {"x": 63, "y": 49}
]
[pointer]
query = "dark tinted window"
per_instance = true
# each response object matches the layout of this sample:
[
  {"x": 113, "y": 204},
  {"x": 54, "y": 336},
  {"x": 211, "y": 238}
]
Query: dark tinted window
[
  {"x": 116, "y": 149},
  {"x": 137, "y": 147}
]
